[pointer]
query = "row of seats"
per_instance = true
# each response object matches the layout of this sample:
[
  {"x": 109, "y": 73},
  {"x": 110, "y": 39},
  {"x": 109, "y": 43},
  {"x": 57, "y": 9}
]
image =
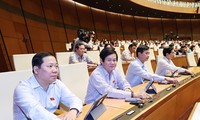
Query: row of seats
[{"x": 23, "y": 61}]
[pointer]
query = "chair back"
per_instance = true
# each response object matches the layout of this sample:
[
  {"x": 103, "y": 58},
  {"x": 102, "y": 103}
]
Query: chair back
[
  {"x": 63, "y": 57},
  {"x": 23, "y": 61},
  {"x": 149, "y": 66},
  {"x": 68, "y": 46},
  {"x": 75, "y": 77},
  {"x": 94, "y": 55},
  {"x": 152, "y": 55},
  {"x": 160, "y": 52},
  {"x": 190, "y": 59},
  {"x": 9, "y": 80},
  {"x": 158, "y": 57}
]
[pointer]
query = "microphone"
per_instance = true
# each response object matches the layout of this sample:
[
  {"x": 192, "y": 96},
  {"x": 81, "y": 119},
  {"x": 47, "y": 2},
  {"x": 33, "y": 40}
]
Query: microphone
[{"x": 174, "y": 73}]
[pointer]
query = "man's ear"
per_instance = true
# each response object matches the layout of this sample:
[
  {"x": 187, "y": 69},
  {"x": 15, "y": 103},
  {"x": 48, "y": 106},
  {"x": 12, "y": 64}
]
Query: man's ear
[{"x": 35, "y": 69}]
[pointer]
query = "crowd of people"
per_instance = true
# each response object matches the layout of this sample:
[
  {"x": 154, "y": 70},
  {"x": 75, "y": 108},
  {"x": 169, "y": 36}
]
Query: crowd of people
[{"x": 39, "y": 96}]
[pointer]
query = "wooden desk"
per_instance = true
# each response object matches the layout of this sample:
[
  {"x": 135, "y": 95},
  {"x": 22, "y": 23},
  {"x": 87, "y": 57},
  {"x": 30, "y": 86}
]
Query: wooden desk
[
  {"x": 110, "y": 113},
  {"x": 180, "y": 61},
  {"x": 125, "y": 67},
  {"x": 176, "y": 103},
  {"x": 91, "y": 69}
]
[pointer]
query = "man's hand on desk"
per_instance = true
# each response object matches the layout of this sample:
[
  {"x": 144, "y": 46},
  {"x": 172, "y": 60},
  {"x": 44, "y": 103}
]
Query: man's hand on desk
[
  {"x": 71, "y": 115},
  {"x": 171, "y": 80},
  {"x": 142, "y": 95},
  {"x": 189, "y": 72}
]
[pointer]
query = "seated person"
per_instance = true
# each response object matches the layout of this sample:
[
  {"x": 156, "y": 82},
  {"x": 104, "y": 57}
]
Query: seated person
[
  {"x": 83, "y": 37},
  {"x": 137, "y": 71},
  {"x": 79, "y": 55},
  {"x": 109, "y": 45},
  {"x": 163, "y": 45},
  {"x": 39, "y": 96},
  {"x": 128, "y": 55},
  {"x": 165, "y": 64},
  {"x": 182, "y": 50},
  {"x": 107, "y": 79}
]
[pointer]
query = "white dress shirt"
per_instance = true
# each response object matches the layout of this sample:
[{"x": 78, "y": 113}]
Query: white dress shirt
[
  {"x": 127, "y": 55},
  {"x": 137, "y": 72},
  {"x": 165, "y": 64},
  {"x": 38, "y": 104},
  {"x": 101, "y": 82},
  {"x": 74, "y": 58}
]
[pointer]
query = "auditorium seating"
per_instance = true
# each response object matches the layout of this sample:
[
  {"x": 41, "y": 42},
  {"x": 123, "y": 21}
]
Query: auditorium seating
[
  {"x": 198, "y": 54},
  {"x": 160, "y": 52},
  {"x": 75, "y": 77},
  {"x": 63, "y": 57},
  {"x": 95, "y": 47},
  {"x": 158, "y": 57},
  {"x": 126, "y": 46},
  {"x": 68, "y": 46},
  {"x": 9, "y": 80},
  {"x": 190, "y": 59},
  {"x": 152, "y": 55},
  {"x": 149, "y": 66},
  {"x": 22, "y": 61},
  {"x": 94, "y": 55}
]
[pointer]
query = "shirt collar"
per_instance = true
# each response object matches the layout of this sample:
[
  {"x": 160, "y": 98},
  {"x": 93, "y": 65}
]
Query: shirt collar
[
  {"x": 104, "y": 71},
  {"x": 138, "y": 60},
  {"x": 166, "y": 59},
  {"x": 34, "y": 83},
  {"x": 78, "y": 56}
]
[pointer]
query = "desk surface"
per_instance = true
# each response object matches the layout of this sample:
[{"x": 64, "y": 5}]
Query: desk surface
[
  {"x": 176, "y": 99},
  {"x": 109, "y": 114}
]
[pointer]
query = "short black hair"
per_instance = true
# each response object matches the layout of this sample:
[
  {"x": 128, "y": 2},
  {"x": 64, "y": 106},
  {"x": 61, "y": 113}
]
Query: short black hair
[
  {"x": 38, "y": 58},
  {"x": 167, "y": 50},
  {"x": 132, "y": 44},
  {"x": 106, "y": 52},
  {"x": 141, "y": 49},
  {"x": 78, "y": 44}
]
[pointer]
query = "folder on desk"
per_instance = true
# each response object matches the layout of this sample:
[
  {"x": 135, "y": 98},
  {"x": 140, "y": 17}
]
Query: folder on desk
[
  {"x": 97, "y": 109},
  {"x": 147, "y": 88}
]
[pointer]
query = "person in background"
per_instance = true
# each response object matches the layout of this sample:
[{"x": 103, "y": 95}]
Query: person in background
[
  {"x": 38, "y": 97},
  {"x": 165, "y": 64},
  {"x": 79, "y": 55},
  {"x": 182, "y": 50},
  {"x": 91, "y": 38},
  {"x": 107, "y": 79},
  {"x": 188, "y": 48},
  {"x": 163, "y": 45},
  {"x": 128, "y": 55},
  {"x": 137, "y": 71},
  {"x": 83, "y": 36},
  {"x": 109, "y": 45}
]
